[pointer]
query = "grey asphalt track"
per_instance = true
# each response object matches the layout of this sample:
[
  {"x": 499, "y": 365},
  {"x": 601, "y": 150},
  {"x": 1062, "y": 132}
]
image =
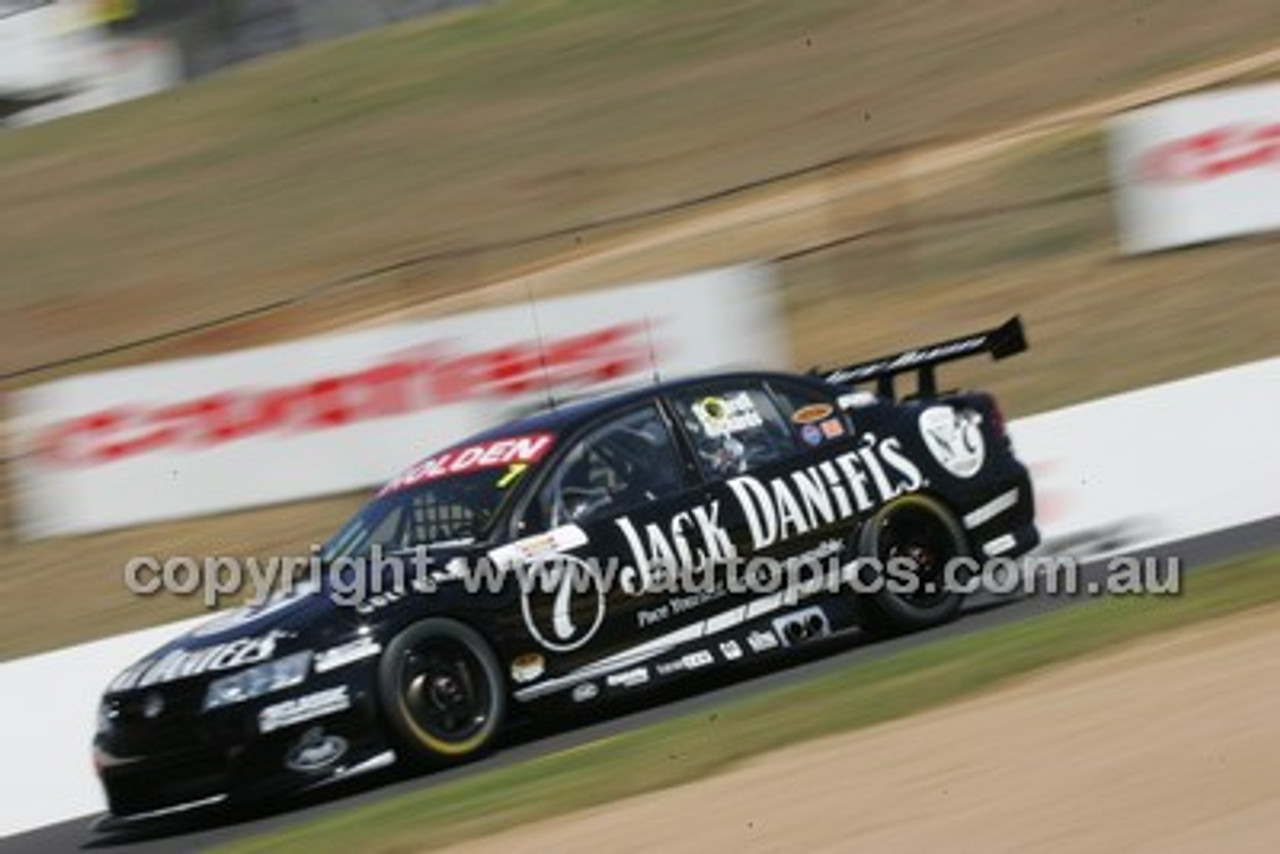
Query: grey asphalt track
[{"x": 198, "y": 832}]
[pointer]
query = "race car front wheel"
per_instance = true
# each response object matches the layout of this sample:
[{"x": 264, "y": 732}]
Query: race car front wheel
[
  {"x": 910, "y": 541},
  {"x": 442, "y": 691}
]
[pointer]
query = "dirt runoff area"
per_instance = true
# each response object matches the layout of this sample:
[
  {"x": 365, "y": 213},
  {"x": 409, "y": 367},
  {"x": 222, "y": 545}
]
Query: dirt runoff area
[{"x": 1171, "y": 745}]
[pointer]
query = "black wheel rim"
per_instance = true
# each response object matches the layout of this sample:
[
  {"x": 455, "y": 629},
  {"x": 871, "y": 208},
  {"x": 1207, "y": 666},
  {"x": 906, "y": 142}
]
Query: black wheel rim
[
  {"x": 918, "y": 535},
  {"x": 445, "y": 690}
]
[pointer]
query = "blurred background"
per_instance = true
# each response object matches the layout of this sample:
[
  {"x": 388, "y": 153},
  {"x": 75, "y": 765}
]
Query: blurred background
[{"x": 189, "y": 179}]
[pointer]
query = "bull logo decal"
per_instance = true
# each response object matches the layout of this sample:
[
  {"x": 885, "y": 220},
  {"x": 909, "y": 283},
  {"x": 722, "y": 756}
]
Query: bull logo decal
[{"x": 954, "y": 437}]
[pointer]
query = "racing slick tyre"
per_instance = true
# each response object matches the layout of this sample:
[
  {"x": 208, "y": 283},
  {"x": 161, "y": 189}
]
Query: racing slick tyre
[
  {"x": 927, "y": 534},
  {"x": 442, "y": 691}
]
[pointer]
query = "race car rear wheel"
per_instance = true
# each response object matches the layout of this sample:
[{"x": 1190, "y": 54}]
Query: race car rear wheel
[
  {"x": 442, "y": 690},
  {"x": 922, "y": 534}
]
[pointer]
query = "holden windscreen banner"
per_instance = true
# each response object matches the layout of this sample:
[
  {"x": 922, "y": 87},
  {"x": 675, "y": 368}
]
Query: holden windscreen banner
[
  {"x": 1199, "y": 168},
  {"x": 342, "y": 412}
]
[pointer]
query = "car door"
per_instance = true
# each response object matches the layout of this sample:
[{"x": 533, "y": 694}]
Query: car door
[
  {"x": 625, "y": 500},
  {"x": 760, "y": 454}
]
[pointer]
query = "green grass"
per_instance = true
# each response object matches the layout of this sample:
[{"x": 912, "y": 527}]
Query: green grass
[{"x": 680, "y": 750}]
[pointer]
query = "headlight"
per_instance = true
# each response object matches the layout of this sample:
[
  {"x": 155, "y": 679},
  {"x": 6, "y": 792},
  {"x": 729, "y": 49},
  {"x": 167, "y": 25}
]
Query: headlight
[
  {"x": 256, "y": 681},
  {"x": 107, "y": 713}
]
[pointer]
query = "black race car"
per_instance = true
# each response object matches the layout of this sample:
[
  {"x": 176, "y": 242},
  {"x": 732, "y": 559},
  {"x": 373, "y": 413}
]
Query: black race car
[{"x": 586, "y": 551}]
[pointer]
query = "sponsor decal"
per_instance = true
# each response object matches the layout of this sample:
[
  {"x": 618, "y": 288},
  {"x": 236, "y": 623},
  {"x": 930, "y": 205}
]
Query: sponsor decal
[
  {"x": 315, "y": 751},
  {"x": 797, "y": 626},
  {"x": 954, "y": 437},
  {"x": 498, "y": 453},
  {"x": 586, "y": 692},
  {"x": 811, "y": 434},
  {"x": 776, "y": 510},
  {"x": 762, "y": 640},
  {"x": 562, "y": 539},
  {"x": 999, "y": 545},
  {"x": 832, "y": 428},
  {"x": 347, "y": 653},
  {"x": 576, "y": 605},
  {"x": 802, "y": 501},
  {"x": 527, "y": 667},
  {"x": 731, "y": 650},
  {"x": 303, "y": 708},
  {"x": 856, "y": 400},
  {"x": 813, "y": 562},
  {"x": 724, "y": 416},
  {"x": 182, "y": 663},
  {"x": 676, "y": 605},
  {"x": 378, "y": 601},
  {"x": 698, "y": 659},
  {"x": 692, "y": 539},
  {"x": 993, "y": 508},
  {"x": 906, "y": 360},
  {"x": 633, "y": 678},
  {"x": 812, "y": 413},
  {"x": 695, "y": 660}
]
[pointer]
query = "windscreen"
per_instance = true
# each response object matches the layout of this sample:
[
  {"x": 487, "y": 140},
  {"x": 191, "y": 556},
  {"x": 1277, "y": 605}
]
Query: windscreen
[{"x": 453, "y": 496}]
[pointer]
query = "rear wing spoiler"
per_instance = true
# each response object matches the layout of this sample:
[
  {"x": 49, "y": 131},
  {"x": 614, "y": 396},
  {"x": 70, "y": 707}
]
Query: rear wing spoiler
[{"x": 1002, "y": 342}]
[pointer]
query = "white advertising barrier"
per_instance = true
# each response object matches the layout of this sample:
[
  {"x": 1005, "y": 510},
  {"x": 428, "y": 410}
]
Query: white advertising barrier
[
  {"x": 41, "y": 49},
  {"x": 58, "y": 60},
  {"x": 1197, "y": 168},
  {"x": 111, "y": 71},
  {"x": 1167, "y": 462},
  {"x": 49, "y": 776},
  {"x": 1163, "y": 463},
  {"x": 342, "y": 412}
]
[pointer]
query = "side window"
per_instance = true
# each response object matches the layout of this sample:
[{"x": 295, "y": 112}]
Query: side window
[
  {"x": 813, "y": 417},
  {"x": 617, "y": 467},
  {"x": 441, "y": 514},
  {"x": 734, "y": 428}
]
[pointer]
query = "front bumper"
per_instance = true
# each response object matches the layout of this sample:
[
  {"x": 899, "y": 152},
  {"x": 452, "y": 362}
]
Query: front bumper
[{"x": 183, "y": 755}]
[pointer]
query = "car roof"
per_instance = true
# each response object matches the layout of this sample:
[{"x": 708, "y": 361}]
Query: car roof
[{"x": 567, "y": 417}]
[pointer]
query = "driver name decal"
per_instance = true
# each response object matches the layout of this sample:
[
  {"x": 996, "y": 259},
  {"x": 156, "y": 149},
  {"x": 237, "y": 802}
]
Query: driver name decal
[{"x": 498, "y": 453}]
